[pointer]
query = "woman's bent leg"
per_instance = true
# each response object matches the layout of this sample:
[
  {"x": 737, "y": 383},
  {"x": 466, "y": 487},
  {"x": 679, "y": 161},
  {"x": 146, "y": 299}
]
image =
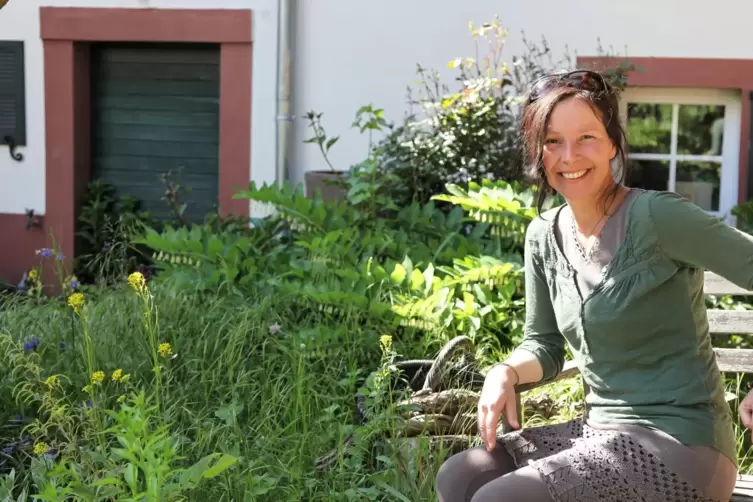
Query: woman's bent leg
[
  {"x": 524, "y": 484},
  {"x": 482, "y": 476}
]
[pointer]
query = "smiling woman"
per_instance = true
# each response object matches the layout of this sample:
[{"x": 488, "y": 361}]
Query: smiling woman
[
  {"x": 617, "y": 274},
  {"x": 567, "y": 139}
]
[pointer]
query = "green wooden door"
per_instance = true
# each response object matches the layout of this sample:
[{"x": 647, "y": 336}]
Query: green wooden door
[{"x": 155, "y": 109}]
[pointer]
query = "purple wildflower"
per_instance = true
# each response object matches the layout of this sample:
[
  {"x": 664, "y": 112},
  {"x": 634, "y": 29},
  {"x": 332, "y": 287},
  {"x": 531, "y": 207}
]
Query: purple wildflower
[
  {"x": 75, "y": 284},
  {"x": 31, "y": 344},
  {"x": 18, "y": 420},
  {"x": 8, "y": 449},
  {"x": 106, "y": 246},
  {"x": 60, "y": 257},
  {"x": 45, "y": 252},
  {"x": 61, "y": 345}
]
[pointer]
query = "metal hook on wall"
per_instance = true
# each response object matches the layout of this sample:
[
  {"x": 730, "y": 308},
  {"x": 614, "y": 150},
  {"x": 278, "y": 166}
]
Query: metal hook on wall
[
  {"x": 12, "y": 148},
  {"x": 32, "y": 220}
]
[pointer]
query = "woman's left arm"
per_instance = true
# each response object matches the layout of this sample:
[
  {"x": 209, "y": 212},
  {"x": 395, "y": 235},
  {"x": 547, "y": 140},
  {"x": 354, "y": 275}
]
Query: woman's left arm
[{"x": 690, "y": 235}]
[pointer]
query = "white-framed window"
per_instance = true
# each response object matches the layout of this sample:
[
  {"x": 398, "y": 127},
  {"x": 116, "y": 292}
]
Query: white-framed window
[{"x": 685, "y": 141}]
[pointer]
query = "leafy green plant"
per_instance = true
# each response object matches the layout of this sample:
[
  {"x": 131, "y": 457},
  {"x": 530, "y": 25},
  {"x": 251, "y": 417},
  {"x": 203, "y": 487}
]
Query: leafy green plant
[
  {"x": 143, "y": 467},
  {"x": 211, "y": 256},
  {"x": 106, "y": 227},
  {"x": 469, "y": 131},
  {"x": 91, "y": 442}
]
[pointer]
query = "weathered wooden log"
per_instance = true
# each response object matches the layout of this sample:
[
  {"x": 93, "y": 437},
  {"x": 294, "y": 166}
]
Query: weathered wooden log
[{"x": 446, "y": 402}]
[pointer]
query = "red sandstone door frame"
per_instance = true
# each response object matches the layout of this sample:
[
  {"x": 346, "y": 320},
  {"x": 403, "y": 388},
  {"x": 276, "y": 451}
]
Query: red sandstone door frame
[{"x": 67, "y": 33}]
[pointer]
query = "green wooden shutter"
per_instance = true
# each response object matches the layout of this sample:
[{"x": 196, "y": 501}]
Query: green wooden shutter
[
  {"x": 156, "y": 109},
  {"x": 12, "y": 93}
]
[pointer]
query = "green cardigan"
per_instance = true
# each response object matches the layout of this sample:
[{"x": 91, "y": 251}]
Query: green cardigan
[{"x": 641, "y": 337}]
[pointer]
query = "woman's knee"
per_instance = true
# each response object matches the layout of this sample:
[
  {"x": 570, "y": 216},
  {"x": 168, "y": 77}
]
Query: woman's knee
[
  {"x": 462, "y": 474},
  {"x": 450, "y": 473},
  {"x": 522, "y": 484}
]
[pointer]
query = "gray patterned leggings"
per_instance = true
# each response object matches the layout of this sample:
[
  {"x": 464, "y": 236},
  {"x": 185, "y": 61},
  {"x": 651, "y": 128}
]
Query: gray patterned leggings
[
  {"x": 579, "y": 462},
  {"x": 480, "y": 476}
]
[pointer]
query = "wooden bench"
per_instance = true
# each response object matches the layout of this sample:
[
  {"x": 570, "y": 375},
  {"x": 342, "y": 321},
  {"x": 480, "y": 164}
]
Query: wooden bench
[{"x": 721, "y": 322}]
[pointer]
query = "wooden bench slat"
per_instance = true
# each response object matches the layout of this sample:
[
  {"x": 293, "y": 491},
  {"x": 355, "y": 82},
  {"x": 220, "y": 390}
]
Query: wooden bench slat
[
  {"x": 728, "y": 322},
  {"x": 716, "y": 285},
  {"x": 743, "y": 489},
  {"x": 734, "y": 360},
  {"x": 728, "y": 361}
]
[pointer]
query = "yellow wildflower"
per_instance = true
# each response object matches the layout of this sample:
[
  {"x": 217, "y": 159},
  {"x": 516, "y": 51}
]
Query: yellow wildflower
[
  {"x": 137, "y": 282},
  {"x": 33, "y": 274},
  {"x": 386, "y": 342},
  {"x": 121, "y": 399},
  {"x": 76, "y": 302},
  {"x": 98, "y": 377},
  {"x": 52, "y": 381},
  {"x": 41, "y": 448},
  {"x": 117, "y": 375},
  {"x": 87, "y": 389},
  {"x": 165, "y": 350}
]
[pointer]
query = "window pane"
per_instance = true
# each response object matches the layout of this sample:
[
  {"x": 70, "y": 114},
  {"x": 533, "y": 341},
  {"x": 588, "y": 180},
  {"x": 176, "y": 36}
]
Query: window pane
[
  {"x": 649, "y": 127},
  {"x": 649, "y": 174},
  {"x": 700, "y": 130},
  {"x": 699, "y": 182}
]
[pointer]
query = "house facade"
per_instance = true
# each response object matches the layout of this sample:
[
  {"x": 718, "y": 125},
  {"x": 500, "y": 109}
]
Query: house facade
[{"x": 126, "y": 90}]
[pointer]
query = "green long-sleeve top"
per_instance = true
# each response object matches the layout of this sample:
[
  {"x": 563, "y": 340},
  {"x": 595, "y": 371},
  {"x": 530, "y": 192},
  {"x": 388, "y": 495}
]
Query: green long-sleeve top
[{"x": 640, "y": 337}]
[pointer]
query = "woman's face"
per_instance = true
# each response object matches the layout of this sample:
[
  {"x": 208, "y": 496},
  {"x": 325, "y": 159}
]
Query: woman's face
[{"x": 577, "y": 151}]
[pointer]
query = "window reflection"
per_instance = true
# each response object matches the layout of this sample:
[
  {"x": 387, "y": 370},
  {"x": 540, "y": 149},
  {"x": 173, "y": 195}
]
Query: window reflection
[
  {"x": 649, "y": 127},
  {"x": 699, "y": 182},
  {"x": 700, "y": 130},
  {"x": 649, "y": 174}
]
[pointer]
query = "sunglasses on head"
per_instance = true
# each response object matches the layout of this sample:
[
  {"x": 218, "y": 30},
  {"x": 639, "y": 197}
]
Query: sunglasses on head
[{"x": 579, "y": 79}]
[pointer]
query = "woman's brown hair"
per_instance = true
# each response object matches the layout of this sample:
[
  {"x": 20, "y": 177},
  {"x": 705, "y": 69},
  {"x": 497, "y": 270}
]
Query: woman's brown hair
[{"x": 550, "y": 90}]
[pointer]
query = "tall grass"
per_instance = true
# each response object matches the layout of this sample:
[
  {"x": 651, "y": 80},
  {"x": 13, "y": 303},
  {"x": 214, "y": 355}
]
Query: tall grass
[{"x": 268, "y": 380}]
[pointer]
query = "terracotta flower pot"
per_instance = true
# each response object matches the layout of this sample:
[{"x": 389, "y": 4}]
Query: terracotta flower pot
[{"x": 322, "y": 181}]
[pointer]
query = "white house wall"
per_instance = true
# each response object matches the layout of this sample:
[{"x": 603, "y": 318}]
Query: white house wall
[{"x": 351, "y": 53}]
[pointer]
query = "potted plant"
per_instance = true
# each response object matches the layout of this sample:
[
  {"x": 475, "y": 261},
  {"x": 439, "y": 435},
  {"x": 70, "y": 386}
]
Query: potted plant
[{"x": 330, "y": 184}]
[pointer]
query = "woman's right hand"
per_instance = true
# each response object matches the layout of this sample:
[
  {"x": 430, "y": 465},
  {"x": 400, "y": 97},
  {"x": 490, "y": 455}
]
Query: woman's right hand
[
  {"x": 497, "y": 397},
  {"x": 746, "y": 411}
]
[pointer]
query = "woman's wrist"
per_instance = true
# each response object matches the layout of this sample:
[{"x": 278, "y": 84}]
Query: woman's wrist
[{"x": 509, "y": 370}]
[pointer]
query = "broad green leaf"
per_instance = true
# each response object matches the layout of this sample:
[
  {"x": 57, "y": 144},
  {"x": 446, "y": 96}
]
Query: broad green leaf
[
  {"x": 107, "y": 481},
  {"x": 224, "y": 463},
  {"x": 398, "y": 275},
  {"x": 193, "y": 474},
  {"x": 416, "y": 280},
  {"x": 469, "y": 306},
  {"x": 429, "y": 278},
  {"x": 131, "y": 475}
]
